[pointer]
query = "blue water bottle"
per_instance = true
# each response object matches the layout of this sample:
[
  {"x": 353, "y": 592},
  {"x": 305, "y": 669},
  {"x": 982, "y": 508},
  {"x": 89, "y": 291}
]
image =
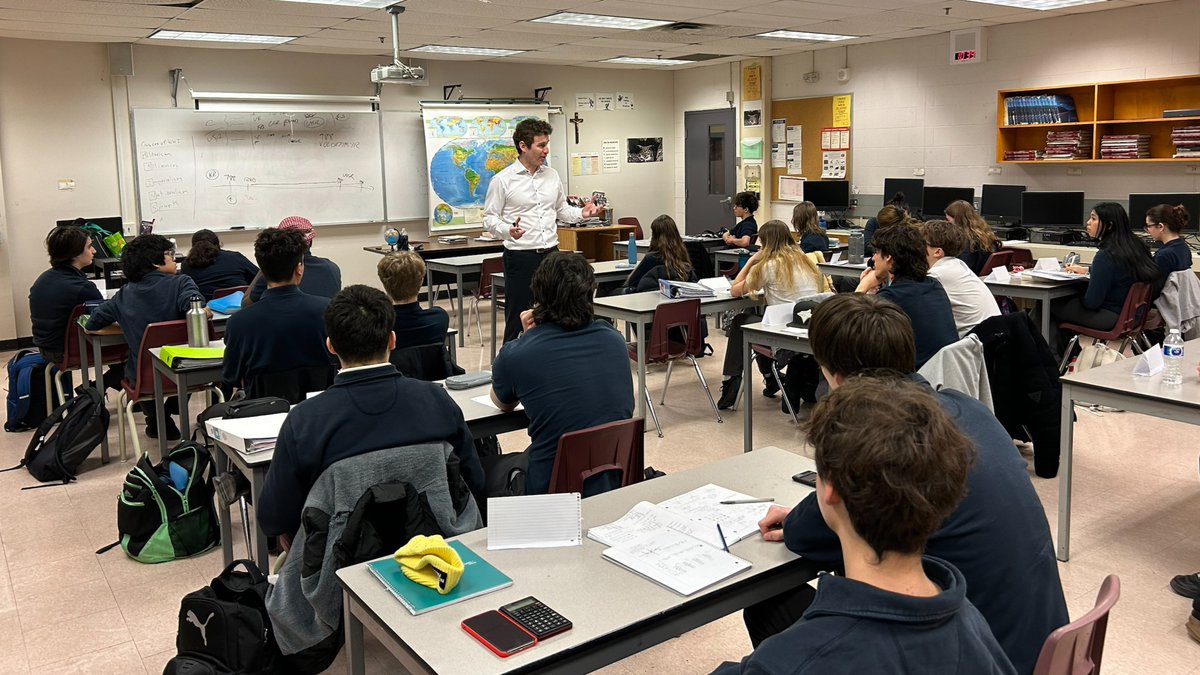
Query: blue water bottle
[
  {"x": 821, "y": 221},
  {"x": 631, "y": 256}
]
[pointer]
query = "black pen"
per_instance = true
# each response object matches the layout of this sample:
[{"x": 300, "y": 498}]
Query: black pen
[
  {"x": 748, "y": 501},
  {"x": 722, "y": 534}
]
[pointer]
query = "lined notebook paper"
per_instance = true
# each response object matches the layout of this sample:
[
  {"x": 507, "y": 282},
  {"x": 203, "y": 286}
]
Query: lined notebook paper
[
  {"x": 535, "y": 521},
  {"x": 738, "y": 521},
  {"x": 646, "y": 518},
  {"x": 677, "y": 561}
]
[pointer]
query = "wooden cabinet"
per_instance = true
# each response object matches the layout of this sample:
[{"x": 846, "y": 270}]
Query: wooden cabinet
[{"x": 1106, "y": 108}]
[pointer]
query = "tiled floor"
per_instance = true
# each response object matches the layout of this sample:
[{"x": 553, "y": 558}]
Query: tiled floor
[{"x": 64, "y": 609}]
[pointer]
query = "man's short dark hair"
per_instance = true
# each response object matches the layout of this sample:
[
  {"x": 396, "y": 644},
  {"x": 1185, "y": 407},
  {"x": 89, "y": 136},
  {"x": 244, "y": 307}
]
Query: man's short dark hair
[
  {"x": 64, "y": 243},
  {"x": 278, "y": 252},
  {"x": 943, "y": 234},
  {"x": 853, "y": 333},
  {"x": 143, "y": 255},
  {"x": 562, "y": 289},
  {"x": 357, "y": 322},
  {"x": 527, "y": 129},
  {"x": 895, "y": 458},
  {"x": 906, "y": 246}
]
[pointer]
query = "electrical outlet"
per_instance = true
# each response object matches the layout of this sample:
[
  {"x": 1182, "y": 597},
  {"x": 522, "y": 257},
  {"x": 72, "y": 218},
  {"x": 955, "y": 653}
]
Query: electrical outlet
[
  {"x": 918, "y": 172},
  {"x": 1192, "y": 169},
  {"x": 1074, "y": 171},
  {"x": 994, "y": 170},
  {"x": 853, "y": 202}
]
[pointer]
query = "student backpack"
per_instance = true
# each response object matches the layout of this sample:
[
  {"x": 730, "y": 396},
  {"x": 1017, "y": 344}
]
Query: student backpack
[
  {"x": 26, "y": 390},
  {"x": 66, "y": 437}
]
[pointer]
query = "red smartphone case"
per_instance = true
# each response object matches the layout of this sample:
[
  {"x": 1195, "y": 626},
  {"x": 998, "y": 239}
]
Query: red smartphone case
[{"x": 492, "y": 648}]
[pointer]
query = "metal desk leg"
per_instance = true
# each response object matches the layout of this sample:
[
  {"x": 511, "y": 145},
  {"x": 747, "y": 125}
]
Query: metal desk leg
[
  {"x": 181, "y": 381},
  {"x": 747, "y": 403},
  {"x": 493, "y": 346},
  {"x": 458, "y": 292},
  {"x": 224, "y": 465},
  {"x": 1046, "y": 327},
  {"x": 1064, "y": 475},
  {"x": 641, "y": 356},
  {"x": 262, "y": 556},
  {"x": 161, "y": 409},
  {"x": 429, "y": 285},
  {"x": 355, "y": 663}
]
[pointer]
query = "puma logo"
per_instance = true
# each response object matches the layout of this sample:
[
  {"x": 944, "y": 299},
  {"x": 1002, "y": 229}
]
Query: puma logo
[{"x": 195, "y": 621}]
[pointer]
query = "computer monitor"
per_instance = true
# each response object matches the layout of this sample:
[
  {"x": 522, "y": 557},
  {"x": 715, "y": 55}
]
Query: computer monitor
[
  {"x": 913, "y": 189},
  {"x": 1054, "y": 210},
  {"x": 1001, "y": 202},
  {"x": 1139, "y": 204},
  {"x": 936, "y": 200},
  {"x": 109, "y": 223},
  {"x": 828, "y": 195}
]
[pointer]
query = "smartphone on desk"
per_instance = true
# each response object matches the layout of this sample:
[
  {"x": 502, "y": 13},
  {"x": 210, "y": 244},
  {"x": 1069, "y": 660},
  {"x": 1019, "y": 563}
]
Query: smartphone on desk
[
  {"x": 808, "y": 478},
  {"x": 499, "y": 633}
]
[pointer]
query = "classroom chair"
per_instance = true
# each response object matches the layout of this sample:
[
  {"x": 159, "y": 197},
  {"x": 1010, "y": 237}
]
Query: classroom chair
[
  {"x": 1021, "y": 256},
  {"x": 683, "y": 315},
  {"x": 72, "y": 348},
  {"x": 430, "y": 362},
  {"x": 1076, "y": 648},
  {"x": 769, "y": 354},
  {"x": 142, "y": 389},
  {"x": 485, "y": 291},
  {"x": 1129, "y": 324},
  {"x": 612, "y": 453},
  {"x": 997, "y": 259},
  {"x": 637, "y": 226},
  {"x": 222, "y": 292},
  {"x": 293, "y": 384}
]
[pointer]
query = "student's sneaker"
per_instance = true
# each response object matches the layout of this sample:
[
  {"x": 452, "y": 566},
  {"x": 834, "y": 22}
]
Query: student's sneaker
[
  {"x": 173, "y": 433},
  {"x": 729, "y": 392},
  {"x": 770, "y": 388},
  {"x": 1187, "y": 585}
]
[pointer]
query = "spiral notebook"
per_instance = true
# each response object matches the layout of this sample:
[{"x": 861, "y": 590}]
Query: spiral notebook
[
  {"x": 675, "y": 560},
  {"x": 535, "y": 521}
]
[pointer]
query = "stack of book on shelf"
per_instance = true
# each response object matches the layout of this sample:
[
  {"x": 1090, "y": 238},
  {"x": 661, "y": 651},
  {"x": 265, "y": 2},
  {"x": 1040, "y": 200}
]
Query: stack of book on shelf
[
  {"x": 1075, "y": 144},
  {"x": 1044, "y": 109},
  {"x": 1187, "y": 142},
  {"x": 1125, "y": 146},
  {"x": 1022, "y": 155}
]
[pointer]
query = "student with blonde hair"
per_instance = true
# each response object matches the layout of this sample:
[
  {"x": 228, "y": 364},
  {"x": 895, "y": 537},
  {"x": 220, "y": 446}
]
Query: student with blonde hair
[{"x": 402, "y": 274}]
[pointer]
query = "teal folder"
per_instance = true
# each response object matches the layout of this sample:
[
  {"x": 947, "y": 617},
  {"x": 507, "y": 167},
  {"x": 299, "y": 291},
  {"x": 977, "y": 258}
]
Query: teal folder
[{"x": 478, "y": 578}]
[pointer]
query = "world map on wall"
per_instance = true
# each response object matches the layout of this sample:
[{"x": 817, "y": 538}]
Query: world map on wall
[{"x": 462, "y": 169}]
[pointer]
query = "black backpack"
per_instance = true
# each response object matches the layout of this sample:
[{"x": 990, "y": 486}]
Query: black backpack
[
  {"x": 66, "y": 437},
  {"x": 26, "y": 390},
  {"x": 224, "y": 627}
]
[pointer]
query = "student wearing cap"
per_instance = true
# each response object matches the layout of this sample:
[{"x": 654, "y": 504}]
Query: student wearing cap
[{"x": 321, "y": 276}]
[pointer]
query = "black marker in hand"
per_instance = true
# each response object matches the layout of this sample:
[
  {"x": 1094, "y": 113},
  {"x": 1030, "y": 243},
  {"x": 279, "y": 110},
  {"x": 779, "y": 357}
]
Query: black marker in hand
[{"x": 515, "y": 230}]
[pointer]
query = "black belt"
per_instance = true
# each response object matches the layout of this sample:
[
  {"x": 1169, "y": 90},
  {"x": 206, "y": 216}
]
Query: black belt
[{"x": 539, "y": 251}]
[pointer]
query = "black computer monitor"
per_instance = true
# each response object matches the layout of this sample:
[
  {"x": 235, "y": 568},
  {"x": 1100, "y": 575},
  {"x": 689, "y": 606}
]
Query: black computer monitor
[
  {"x": 913, "y": 189},
  {"x": 1139, "y": 204},
  {"x": 828, "y": 195},
  {"x": 109, "y": 223},
  {"x": 1001, "y": 202},
  {"x": 936, "y": 200},
  {"x": 1056, "y": 210}
]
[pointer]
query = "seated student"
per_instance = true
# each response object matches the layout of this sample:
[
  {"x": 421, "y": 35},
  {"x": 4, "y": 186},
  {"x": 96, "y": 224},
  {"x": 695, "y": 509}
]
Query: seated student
[
  {"x": 744, "y": 206},
  {"x": 900, "y": 274},
  {"x": 321, "y": 276},
  {"x": 1165, "y": 223},
  {"x": 970, "y": 300},
  {"x": 284, "y": 330},
  {"x": 997, "y": 536},
  {"x": 402, "y": 274},
  {"x": 370, "y": 407},
  {"x": 895, "y": 211},
  {"x": 152, "y": 292},
  {"x": 213, "y": 267},
  {"x": 570, "y": 370},
  {"x": 890, "y": 467},
  {"x": 666, "y": 259},
  {"x": 981, "y": 241},
  {"x": 808, "y": 226}
]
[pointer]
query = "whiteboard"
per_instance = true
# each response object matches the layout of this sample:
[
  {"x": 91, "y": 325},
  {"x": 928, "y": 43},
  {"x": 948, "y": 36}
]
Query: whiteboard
[
  {"x": 232, "y": 170},
  {"x": 407, "y": 177}
]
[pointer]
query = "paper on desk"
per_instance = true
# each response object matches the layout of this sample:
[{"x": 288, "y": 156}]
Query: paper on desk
[
  {"x": 716, "y": 283},
  {"x": 738, "y": 521},
  {"x": 777, "y": 315},
  {"x": 836, "y": 257},
  {"x": 999, "y": 274},
  {"x": 1149, "y": 363},
  {"x": 535, "y": 521},
  {"x": 486, "y": 399},
  {"x": 796, "y": 330},
  {"x": 1047, "y": 265},
  {"x": 1055, "y": 276}
]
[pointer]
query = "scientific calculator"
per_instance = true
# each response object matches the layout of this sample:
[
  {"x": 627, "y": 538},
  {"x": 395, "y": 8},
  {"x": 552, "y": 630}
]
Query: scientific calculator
[{"x": 536, "y": 617}]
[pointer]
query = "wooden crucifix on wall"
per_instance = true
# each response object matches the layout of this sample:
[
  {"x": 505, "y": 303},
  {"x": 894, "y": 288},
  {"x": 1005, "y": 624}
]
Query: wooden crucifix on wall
[{"x": 576, "y": 120}]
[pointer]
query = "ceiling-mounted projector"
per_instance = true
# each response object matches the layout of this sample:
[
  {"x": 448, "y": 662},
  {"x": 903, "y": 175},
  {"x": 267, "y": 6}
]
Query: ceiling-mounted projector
[{"x": 397, "y": 72}]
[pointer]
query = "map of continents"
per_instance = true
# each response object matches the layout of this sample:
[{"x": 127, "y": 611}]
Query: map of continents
[{"x": 461, "y": 170}]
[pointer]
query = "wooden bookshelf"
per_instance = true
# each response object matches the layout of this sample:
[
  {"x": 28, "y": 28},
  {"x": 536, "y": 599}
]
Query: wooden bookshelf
[{"x": 1106, "y": 108}]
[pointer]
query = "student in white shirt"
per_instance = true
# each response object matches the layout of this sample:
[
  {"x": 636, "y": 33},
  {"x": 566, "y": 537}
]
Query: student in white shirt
[
  {"x": 970, "y": 300},
  {"x": 523, "y": 204}
]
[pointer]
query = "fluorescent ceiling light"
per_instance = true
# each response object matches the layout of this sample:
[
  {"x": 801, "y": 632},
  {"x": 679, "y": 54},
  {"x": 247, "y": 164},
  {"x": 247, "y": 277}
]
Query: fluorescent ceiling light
[
  {"x": 466, "y": 51},
  {"x": 641, "y": 61},
  {"x": 221, "y": 37},
  {"x": 801, "y": 35},
  {"x": 368, "y": 4},
  {"x": 1041, "y": 5},
  {"x": 600, "y": 21}
]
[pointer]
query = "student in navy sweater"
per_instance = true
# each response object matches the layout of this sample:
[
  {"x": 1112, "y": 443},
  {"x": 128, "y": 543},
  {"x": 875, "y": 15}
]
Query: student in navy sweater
[
  {"x": 744, "y": 206},
  {"x": 212, "y": 267},
  {"x": 321, "y": 276},
  {"x": 666, "y": 259},
  {"x": 1165, "y": 223},
  {"x": 285, "y": 329},
  {"x": 890, "y": 467},
  {"x": 981, "y": 241},
  {"x": 997, "y": 536},
  {"x": 808, "y": 227},
  {"x": 402, "y": 274},
  {"x": 59, "y": 289}
]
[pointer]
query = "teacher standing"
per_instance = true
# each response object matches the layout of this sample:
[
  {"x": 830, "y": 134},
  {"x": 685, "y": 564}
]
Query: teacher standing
[{"x": 523, "y": 204}]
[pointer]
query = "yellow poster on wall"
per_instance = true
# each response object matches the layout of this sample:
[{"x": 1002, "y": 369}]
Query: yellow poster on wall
[
  {"x": 752, "y": 82},
  {"x": 841, "y": 111}
]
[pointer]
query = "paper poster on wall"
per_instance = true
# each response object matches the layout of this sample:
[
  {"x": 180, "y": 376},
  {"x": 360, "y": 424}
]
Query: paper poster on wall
[
  {"x": 753, "y": 174},
  {"x": 585, "y": 101},
  {"x": 610, "y": 156},
  {"x": 752, "y": 148},
  {"x": 795, "y": 149},
  {"x": 585, "y": 163},
  {"x": 624, "y": 100},
  {"x": 752, "y": 114},
  {"x": 778, "y": 155},
  {"x": 605, "y": 102},
  {"x": 642, "y": 150},
  {"x": 778, "y": 131},
  {"x": 845, "y": 139},
  {"x": 841, "y": 111},
  {"x": 833, "y": 164},
  {"x": 752, "y": 82},
  {"x": 465, "y": 148},
  {"x": 791, "y": 188}
]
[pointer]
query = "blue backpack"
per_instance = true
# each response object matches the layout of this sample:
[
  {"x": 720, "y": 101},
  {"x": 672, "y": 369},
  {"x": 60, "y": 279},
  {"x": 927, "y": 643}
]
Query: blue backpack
[{"x": 26, "y": 390}]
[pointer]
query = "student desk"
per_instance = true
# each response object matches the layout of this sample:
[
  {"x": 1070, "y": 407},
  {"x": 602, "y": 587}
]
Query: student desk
[
  {"x": 183, "y": 378},
  {"x": 621, "y": 248},
  {"x": 460, "y": 267},
  {"x": 1115, "y": 385},
  {"x": 606, "y": 272},
  {"x": 615, "y": 612},
  {"x": 638, "y": 309},
  {"x": 775, "y": 337},
  {"x": 732, "y": 256},
  {"x": 482, "y": 420},
  {"x": 591, "y": 240}
]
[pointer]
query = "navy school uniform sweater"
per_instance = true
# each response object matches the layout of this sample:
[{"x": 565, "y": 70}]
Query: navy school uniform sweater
[
  {"x": 1174, "y": 256},
  {"x": 416, "y": 325},
  {"x": 928, "y": 308},
  {"x": 814, "y": 242},
  {"x": 51, "y": 298},
  {"x": 229, "y": 269},
  {"x": 157, "y": 297},
  {"x": 321, "y": 277},
  {"x": 285, "y": 329}
]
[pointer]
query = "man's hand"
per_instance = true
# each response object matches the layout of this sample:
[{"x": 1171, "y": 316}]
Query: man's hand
[
  {"x": 527, "y": 320},
  {"x": 868, "y": 282},
  {"x": 771, "y": 525},
  {"x": 1076, "y": 269},
  {"x": 727, "y": 238},
  {"x": 590, "y": 209},
  {"x": 515, "y": 230}
]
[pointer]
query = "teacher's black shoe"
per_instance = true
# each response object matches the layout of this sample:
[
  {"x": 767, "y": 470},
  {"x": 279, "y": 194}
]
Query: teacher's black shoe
[
  {"x": 1187, "y": 585},
  {"x": 729, "y": 392}
]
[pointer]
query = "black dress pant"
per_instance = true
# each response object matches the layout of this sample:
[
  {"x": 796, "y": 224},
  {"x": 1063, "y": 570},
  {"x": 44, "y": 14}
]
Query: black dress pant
[
  {"x": 1073, "y": 311},
  {"x": 519, "y": 267}
]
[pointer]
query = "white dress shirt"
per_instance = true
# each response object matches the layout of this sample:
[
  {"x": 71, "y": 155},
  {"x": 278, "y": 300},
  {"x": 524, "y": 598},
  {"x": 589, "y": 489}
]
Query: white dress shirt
[
  {"x": 970, "y": 300},
  {"x": 536, "y": 198}
]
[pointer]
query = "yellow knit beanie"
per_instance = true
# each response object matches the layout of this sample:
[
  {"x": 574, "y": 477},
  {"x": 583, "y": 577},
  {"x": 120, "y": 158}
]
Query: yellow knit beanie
[{"x": 431, "y": 562}]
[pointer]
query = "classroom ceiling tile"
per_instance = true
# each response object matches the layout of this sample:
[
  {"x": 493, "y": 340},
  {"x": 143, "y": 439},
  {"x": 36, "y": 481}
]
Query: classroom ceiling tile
[
  {"x": 236, "y": 27},
  {"x": 280, "y": 8},
  {"x": 963, "y": 9},
  {"x": 495, "y": 39},
  {"x": 104, "y": 32},
  {"x": 263, "y": 18},
  {"x": 93, "y": 7},
  {"x": 756, "y": 23},
  {"x": 713, "y": 4},
  {"x": 72, "y": 17},
  {"x": 809, "y": 10},
  {"x": 1096, "y": 7},
  {"x": 497, "y": 10},
  {"x": 645, "y": 10}
]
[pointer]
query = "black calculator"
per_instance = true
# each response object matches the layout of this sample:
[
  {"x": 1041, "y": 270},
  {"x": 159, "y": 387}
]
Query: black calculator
[{"x": 536, "y": 617}]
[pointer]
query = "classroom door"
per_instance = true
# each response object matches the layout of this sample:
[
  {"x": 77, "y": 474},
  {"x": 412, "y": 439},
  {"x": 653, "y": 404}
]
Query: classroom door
[{"x": 709, "y": 178}]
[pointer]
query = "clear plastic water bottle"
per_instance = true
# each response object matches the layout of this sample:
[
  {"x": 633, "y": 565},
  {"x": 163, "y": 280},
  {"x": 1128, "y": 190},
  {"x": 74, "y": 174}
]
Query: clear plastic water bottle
[
  {"x": 631, "y": 256},
  {"x": 1173, "y": 358}
]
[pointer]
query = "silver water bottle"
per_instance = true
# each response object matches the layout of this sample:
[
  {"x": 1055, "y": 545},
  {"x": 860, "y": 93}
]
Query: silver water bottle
[
  {"x": 197, "y": 323},
  {"x": 857, "y": 247}
]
